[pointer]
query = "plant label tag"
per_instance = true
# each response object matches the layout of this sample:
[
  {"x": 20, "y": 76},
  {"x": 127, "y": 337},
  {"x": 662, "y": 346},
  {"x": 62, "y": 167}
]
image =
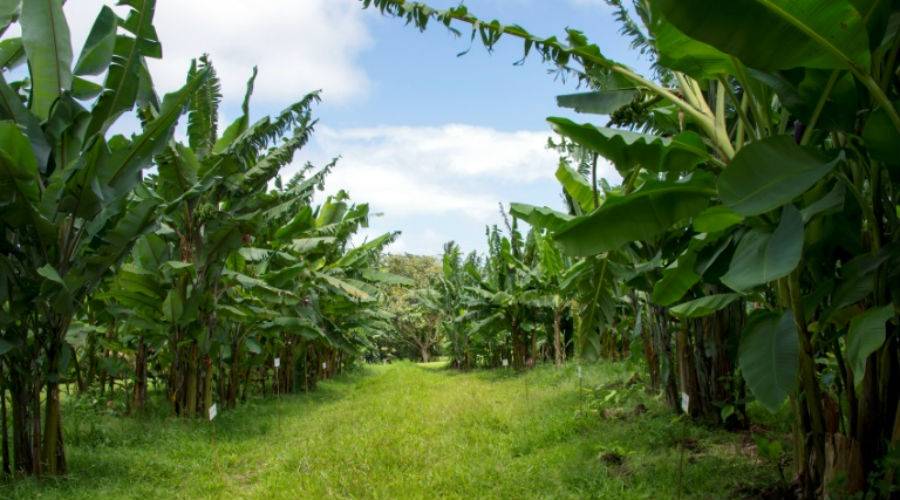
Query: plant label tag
[
  {"x": 505, "y": 362},
  {"x": 277, "y": 362},
  {"x": 324, "y": 365},
  {"x": 579, "y": 371},
  {"x": 212, "y": 412},
  {"x": 685, "y": 402}
]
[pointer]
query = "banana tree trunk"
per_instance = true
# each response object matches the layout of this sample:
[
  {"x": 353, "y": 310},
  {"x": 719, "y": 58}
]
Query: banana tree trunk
[
  {"x": 233, "y": 378},
  {"x": 53, "y": 453},
  {"x": 661, "y": 344},
  {"x": 878, "y": 405},
  {"x": 190, "y": 396},
  {"x": 175, "y": 381},
  {"x": 82, "y": 387},
  {"x": 559, "y": 355},
  {"x": 22, "y": 406},
  {"x": 208, "y": 390},
  {"x": 139, "y": 394},
  {"x": 288, "y": 369},
  {"x": 810, "y": 419},
  {"x": 5, "y": 451},
  {"x": 519, "y": 346}
]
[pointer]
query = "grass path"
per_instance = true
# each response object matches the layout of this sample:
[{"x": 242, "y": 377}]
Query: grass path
[{"x": 407, "y": 431}]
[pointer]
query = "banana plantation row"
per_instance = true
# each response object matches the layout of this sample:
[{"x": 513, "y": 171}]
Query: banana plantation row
[
  {"x": 753, "y": 248},
  {"x": 750, "y": 253},
  {"x": 148, "y": 258}
]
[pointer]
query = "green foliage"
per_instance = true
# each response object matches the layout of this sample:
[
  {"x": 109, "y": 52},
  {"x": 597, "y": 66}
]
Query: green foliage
[
  {"x": 768, "y": 357},
  {"x": 411, "y": 300},
  {"x": 770, "y": 173},
  {"x": 640, "y": 215}
]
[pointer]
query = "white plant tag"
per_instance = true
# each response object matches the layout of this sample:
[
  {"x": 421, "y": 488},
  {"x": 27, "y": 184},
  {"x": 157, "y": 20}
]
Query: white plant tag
[
  {"x": 324, "y": 365},
  {"x": 579, "y": 371},
  {"x": 685, "y": 402},
  {"x": 212, "y": 412},
  {"x": 505, "y": 362},
  {"x": 277, "y": 362}
]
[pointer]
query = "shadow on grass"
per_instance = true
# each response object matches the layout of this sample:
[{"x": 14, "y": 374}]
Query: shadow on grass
[{"x": 94, "y": 424}]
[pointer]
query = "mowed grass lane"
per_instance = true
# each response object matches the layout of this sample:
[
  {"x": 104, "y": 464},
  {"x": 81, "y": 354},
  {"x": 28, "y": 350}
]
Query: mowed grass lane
[{"x": 411, "y": 431}]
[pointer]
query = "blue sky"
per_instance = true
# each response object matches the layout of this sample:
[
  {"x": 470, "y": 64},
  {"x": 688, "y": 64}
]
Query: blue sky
[{"x": 431, "y": 140}]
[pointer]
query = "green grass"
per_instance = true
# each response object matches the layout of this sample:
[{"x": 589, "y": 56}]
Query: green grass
[{"x": 409, "y": 431}]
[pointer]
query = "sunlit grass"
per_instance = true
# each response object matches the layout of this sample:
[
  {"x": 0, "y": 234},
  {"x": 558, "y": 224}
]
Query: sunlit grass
[{"x": 409, "y": 431}]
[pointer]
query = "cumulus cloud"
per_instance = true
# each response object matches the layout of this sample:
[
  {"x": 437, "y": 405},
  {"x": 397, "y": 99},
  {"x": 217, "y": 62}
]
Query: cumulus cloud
[
  {"x": 298, "y": 45},
  {"x": 402, "y": 193},
  {"x": 459, "y": 169},
  {"x": 453, "y": 150},
  {"x": 441, "y": 183}
]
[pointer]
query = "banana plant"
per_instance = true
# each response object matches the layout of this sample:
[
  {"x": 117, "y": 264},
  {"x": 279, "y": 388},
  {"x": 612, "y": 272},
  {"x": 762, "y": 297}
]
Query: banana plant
[
  {"x": 70, "y": 209},
  {"x": 447, "y": 302},
  {"x": 215, "y": 188}
]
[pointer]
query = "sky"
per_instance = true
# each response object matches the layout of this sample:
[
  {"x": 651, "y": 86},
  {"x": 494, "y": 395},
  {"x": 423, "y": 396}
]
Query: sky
[{"x": 431, "y": 140}]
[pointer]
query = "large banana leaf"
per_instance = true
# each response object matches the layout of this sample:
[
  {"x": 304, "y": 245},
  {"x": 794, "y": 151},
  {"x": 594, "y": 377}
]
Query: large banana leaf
[
  {"x": 717, "y": 218},
  {"x": 109, "y": 243},
  {"x": 680, "y": 52},
  {"x": 9, "y": 12},
  {"x": 540, "y": 217},
  {"x": 769, "y": 173},
  {"x": 12, "y": 53},
  {"x": 119, "y": 173},
  {"x": 768, "y": 357},
  {"x": 598, "y": 102},
  {"x": 776, "y": 34},
  {"x": 45, "y": 36},
  {"x": 203, "y": 115},
  {"x": 98, "y": 48},
  {"x": 125, "y": 75},
  {"x": 641, "y": 215},
  {"x": 799, "y": 91},
  {"x": 12, "y": 108},
  {"x": 867, "y": 333},
  {"x": 18, "y": 165},
  {"x": 761, "y": 257},
  {"x": 677, "y": 279},
  {"x": 628, "y": 150},
  {"x": 703, "y": 306},
  {"x": 301, "y": 222},
  {"x": 576, "y": 186},
  {"x": 345, "y": 286},
  {"x": 882, "y": 139}
]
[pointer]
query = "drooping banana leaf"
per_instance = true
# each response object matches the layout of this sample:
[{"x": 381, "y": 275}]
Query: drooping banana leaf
[
  {"x": 797, "y": 33},
  {"x": 768, "y": 357},
  {"x": 769, "y": 173},
  {"x": 761, "y": 257},
  {"x": 641, "y": 215},
  {"x": 627, "y": 150}
]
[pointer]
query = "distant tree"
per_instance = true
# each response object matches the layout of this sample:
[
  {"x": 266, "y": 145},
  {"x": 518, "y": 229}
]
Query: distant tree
[{"x": 414, "y": 324}]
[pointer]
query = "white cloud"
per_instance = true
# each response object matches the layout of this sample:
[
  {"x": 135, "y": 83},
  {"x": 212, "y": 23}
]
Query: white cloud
[
  {"x": 450, "y": 151},
  {"x": 298, "y": 45},
  {"x": 453, "y": 169},
  {"x": 404, "y": 193},
  {"x": 439, "y": 183}
]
